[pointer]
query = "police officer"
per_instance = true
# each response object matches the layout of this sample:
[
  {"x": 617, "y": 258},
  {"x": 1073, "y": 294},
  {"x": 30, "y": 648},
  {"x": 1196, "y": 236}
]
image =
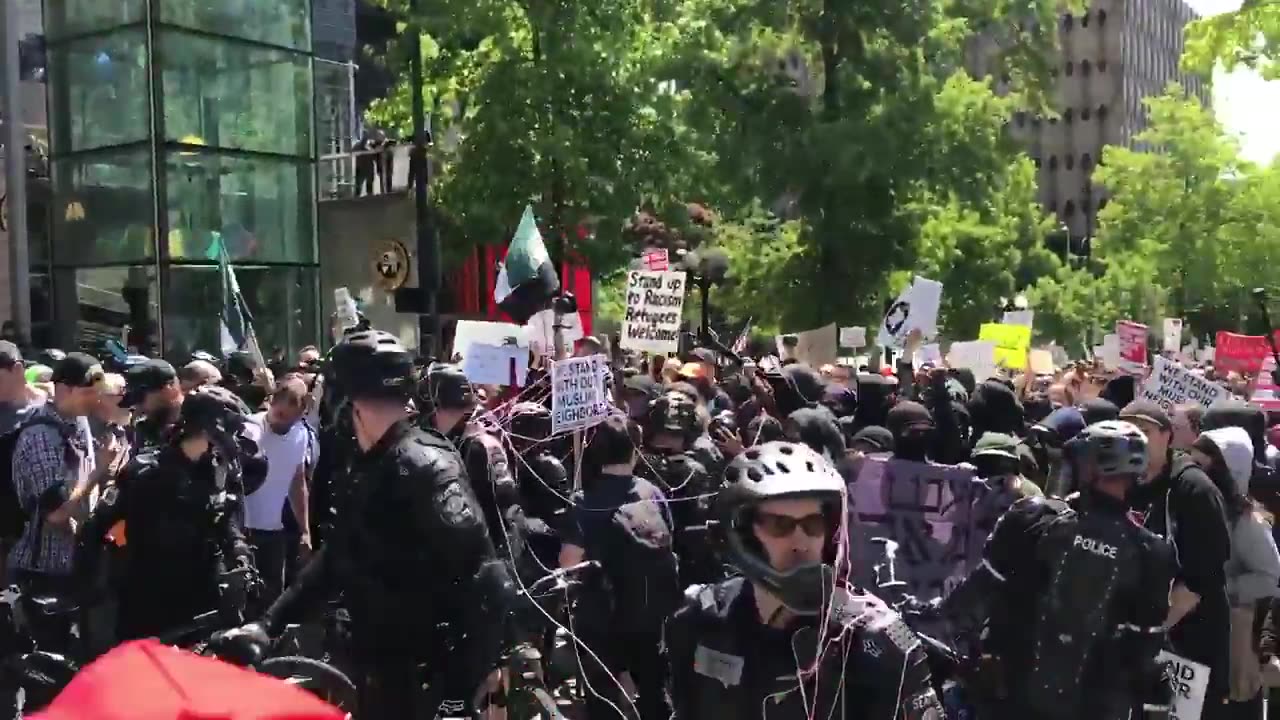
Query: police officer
[
  {"x": 542, "y": 480},
  {"x": 178, "y": 521},
  {"x": 1074, "y": 593},
  {"x": 450, "y": 403},
  {"x": 784, "y": 641},
  {"x": 411, "y": 553},
  {"x": 668, "y": 463}
]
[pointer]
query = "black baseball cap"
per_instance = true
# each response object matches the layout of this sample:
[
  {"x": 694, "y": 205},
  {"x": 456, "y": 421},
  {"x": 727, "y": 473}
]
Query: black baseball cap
[
  {"x": 144, "y": 378},
  {"x": 10, "y": 355},
  {"x": 78, "y": 370}
]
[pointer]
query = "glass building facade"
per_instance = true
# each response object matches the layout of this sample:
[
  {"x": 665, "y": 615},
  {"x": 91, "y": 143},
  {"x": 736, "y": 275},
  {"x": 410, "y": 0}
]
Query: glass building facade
[{"x": 178, "y": 128}]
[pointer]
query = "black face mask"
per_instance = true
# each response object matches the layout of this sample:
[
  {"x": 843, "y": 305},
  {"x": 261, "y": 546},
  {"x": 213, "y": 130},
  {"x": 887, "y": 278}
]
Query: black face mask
[{"x": 913, "y": 446}]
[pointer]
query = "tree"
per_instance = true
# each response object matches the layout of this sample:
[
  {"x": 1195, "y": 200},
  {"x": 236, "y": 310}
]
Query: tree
[{"x": 1249, "y": 36}]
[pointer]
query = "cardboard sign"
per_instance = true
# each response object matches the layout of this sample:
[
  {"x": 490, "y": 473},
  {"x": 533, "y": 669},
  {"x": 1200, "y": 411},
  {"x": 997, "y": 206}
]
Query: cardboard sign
[
  {"x": 496, "y": 364},
  {"x": 1012, "y": 343},
  {"x": 915, "y": 309},
  {"x": 655, "y": 311},
  {"x": 1040, "y": 362},
  {"x": 1019, "y": 317},
  {"x": 853, "y": 337},
  {"x": 1169, "y": 384},
  {"x": 1133, "y": 346},
  {"x": 977, "y": 356},
  {"x": 578, "y": 398},
  {"x": 1189, "y": 680},
  {"x": 1241, "y": 353},
  {"x": 939, "y": 515},
  {"x": 1172, "y": 334},
  {"x": 541, "y": 332},
  {"x": 493, "y": 334}
]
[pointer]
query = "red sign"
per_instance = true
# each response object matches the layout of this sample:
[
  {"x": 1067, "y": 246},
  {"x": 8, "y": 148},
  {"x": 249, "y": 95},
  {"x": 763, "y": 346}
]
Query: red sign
[
  {"x": 655, "y": 259},
  {"x": 1241, "y": 353},
  {"x": 1133, "y": 346},
  {"x": 1265, "y": 393}
]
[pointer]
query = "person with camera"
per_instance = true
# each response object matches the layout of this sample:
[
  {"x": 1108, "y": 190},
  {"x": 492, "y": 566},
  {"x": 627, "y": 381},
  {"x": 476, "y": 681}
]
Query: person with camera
[
  {"x": 786, "y": 640},
  {"x": 428, "y": 597},
  {"x": 178, "y": 518},
  {"x": 1073, "y": 594}
]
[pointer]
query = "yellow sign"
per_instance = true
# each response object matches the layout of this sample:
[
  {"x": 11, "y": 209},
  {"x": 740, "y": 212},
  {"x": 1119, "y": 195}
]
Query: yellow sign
[
  {"x": 1012, "y": 343},
  {"x": 391, "y": 265}
]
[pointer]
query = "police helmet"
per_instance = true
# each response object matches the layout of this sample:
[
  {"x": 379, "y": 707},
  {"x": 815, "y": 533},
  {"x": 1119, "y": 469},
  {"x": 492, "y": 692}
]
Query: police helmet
[
  {"x": 675, "y": 413},
  {"x": 771, "y": 471},
  {"x": 446, "y": 387},
  {"x": 530, "y": 421},
  {"x": 372, "y": 364},
  {"x": 212, "y": 409},
  {"x": 1114, "y": 447}
]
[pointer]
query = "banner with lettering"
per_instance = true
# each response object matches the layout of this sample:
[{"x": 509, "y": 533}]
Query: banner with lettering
[
  {"x": 655, "y": 307},
  {"x": 578, "y": 397},
  {"x": 1012, "y": 343},
  {"x": 1169, "y": 385},
  {"x": 1189, "y": 681},
  {"x": 1241, "y": 353},
  {"x": 1133, "y": 346},
  {"x": 939, "y": 515}
]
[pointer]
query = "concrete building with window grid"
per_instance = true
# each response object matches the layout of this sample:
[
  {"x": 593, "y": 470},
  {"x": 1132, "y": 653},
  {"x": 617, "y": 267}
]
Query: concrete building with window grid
[{"x": 1113, "y": 55}]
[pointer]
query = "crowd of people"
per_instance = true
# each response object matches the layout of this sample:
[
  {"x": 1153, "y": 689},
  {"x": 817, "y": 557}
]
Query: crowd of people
[{"x": 714, "y": 502}]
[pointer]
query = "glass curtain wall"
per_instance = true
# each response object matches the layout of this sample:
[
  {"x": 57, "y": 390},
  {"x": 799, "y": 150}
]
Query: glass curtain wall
[{"x": 181, "y": 130}]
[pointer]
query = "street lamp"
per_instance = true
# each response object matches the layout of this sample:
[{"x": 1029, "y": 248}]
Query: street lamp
[{"x": 707, "y": 267}]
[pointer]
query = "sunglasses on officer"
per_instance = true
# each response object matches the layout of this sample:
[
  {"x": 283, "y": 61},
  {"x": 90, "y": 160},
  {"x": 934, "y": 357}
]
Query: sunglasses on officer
[{"x": 781, "y": 526}]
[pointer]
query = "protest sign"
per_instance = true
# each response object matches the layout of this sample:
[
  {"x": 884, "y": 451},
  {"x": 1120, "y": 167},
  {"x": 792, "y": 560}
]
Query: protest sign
[
  {"x": 1265, "y": 393},
  {"x": 1170, "y": 385},
  {"x": 1110, "y": 351},
  {"x": 496, "y": 364},
  {"x": 1189, "y": 680},
  {"x": 578, "y": 398},
  {"x": 1012, "y": 343},
  {"x": 977, "y": 356},
  {"x": 1133, "y": 346},
  {"x": 939, "y": 515},
  {"x": 541, "y": 331},
  {"x": 655, "y": 259},
  {"x": 1172, "y": 334},
  {"x": 915, "y": 309},
  {"x": 1019, "y": 317},
  {"x": 655, "y": 307},
  {"x": 494, "y": 334},
  {"x": 816, "y": 348},
  {"x": 1040, "y": 362},
  {"x": 1241, "y": 353},
  {"x": 929, "y": 354},
  {"x": 853, "y": 337}
]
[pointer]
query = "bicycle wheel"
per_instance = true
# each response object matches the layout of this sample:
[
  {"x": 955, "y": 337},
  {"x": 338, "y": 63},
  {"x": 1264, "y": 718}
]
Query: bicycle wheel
[{"x": 318, "y": 678}]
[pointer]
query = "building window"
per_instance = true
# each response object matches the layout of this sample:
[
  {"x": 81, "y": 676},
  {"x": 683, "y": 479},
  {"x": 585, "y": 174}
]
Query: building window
[
  {"x": 1067, "y": 115},
  {"x": 1102, "y": 18},
  {"x": 1086, "y": 161},
  {"x": 1085, "y": 67},
  {"x": 1035, "y": 122},
  {"x": 1037, "y": 162},
  {"x": 1070, "y": 69},
  {"x": 1067, "y": 21},
  {"x": 1086, "y": 204},
  {"x": 1102, "y": 66},
  {"x": 1084, "y": 114},
  {"x": 1084, "y": 19},
  {"x": 285, "y": 23},
  {"x": 1102, "y": 112},
  {"x": 102, "y": 99},
  {"x": 1053, "y": 120},
  {"x": 1069, "y": 161},
  {"x": 1053, "y": 162},
  {"x": 1102, "y": 202},
  {"x": 1069, "y": 208}
]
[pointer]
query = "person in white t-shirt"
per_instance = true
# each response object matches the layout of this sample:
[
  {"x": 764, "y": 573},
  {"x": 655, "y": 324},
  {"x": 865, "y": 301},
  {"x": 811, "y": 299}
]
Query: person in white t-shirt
[{"x": 289, "y": 447}]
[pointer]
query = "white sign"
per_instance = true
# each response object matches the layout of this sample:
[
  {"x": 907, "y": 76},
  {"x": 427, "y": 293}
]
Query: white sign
[
  {"x": 1172, "y": 334},
  {"x": 915, "y": 309},
  {"x": 655, "y": 308},
  {"x": 496, "y": 334},
  {"x": 1111, "y": 351},
  {"x": 578, "y": 398},
  {"x": 1019, "y": 317},
  {"x": 929, "y": 354},
  {"x": 977, "y": 356},
  {"x": 496, "y": 364},
  {"x": 1189, "y": 681},
  {"x": 541, "y": 331},
  {"x": 1169, "y": 384},
  {"x": 853, "y": 337}
]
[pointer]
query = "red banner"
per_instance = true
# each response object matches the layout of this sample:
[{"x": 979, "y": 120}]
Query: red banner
[{"x": 1241, "y": 353}]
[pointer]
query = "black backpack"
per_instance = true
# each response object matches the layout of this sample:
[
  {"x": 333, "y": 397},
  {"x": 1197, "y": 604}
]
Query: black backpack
[
  {"x": 641, "y": 567},
  {"x": 13, "y": 519}
]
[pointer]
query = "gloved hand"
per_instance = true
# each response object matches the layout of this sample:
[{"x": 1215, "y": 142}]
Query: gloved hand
[{"x": 245, "y": 645}]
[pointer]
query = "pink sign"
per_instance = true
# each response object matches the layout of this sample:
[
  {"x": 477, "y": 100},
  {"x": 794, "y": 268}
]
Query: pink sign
[
  {"x": 1265, "y": 393},
  {"x": 1241, "y": 353},
  {"x": 1133, "y": 346}
]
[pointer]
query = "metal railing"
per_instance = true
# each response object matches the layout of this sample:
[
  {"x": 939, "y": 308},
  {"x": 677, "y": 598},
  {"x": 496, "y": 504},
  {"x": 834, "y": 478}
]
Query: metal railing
[{"x": 360, "y": 173}]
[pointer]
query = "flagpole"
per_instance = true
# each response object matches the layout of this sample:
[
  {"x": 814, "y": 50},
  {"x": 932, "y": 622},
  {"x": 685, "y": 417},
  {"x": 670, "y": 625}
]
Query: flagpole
[{"x": 250, "y": 335}]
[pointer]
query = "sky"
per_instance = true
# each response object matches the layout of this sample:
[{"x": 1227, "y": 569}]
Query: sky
[{"x": 1245, "y": 103}]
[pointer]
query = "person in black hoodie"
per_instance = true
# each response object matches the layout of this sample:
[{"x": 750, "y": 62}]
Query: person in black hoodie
[{"x": 1178, "y": 501}]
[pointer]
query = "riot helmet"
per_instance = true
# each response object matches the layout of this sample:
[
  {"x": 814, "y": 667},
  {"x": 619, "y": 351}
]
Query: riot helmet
[
  {"x": 1109, "y": 449},
  {"x": 372, "y": 364},
  {"x": 779, "y": 471},
  {"x": 446, "y": 387},
  {"x": 214, "y": 410},
  {"x": 530, "y": 423},
  {"x": 673, "y": 414}
]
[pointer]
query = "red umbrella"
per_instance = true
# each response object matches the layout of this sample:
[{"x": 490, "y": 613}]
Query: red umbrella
[{"x": 145, "y": 680}]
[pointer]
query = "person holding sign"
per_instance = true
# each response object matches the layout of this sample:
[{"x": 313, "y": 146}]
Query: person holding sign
[{"x": 1073, "y": 593}]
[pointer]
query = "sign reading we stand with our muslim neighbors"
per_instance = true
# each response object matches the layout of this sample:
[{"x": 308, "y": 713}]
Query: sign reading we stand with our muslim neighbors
[
  {"x": 1169, "y": 385},
  {"x": 655, "y": 308},
  {"x": 578, "y": 398}
]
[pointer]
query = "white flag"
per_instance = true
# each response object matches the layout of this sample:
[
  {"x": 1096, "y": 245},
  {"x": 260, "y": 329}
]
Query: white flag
[{"x": 915, "y": 309}]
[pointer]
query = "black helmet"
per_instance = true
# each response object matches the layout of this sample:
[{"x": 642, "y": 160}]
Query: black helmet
[
  {"x": 446, "y": 387},
  {"x": 372, "y": 364},
  {"x": 673, "y": 412},
  {"x": 212, "y": 409},
  {"x": 772, "y": 471},
  {"x": 50, "y": 357},
  {"x": 530, "y": 421},
  {"x": 1114, "y": 447}
]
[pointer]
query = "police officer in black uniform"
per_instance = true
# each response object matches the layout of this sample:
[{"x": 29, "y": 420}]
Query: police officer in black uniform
[
  {"x": 668, "y": 463},
  {"x": 784, "y": 641},
  {"x": 1073, "y": 593},
  {"x": 542, "y": 480},
  {"x": 449, "y": 404},
  {"x": 179, "y": 520},
  {"x": 411, "y": 553}
]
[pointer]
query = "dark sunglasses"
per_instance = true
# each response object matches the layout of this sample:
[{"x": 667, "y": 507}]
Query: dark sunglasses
[{"x": 781, "y": 526}]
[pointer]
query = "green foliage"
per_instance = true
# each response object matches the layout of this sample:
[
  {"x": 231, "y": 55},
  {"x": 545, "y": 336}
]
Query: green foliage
[{"x": 1249, "y": 36}]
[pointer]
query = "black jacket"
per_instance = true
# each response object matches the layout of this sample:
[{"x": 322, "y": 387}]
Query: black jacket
[{"x": 413, "y": 559}]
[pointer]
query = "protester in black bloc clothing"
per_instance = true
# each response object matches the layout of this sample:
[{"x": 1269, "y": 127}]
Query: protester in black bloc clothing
[
  {"x": 778, "y": 643},
  {"x": 622, "y": 522},
  {"x": 1073, "y": 594},
  {"x": 181, "y": 528},
  {"x": 411, "y": 553},
  {"x": 1176, "y": 500},
  {"x": 154, "y": 393},
  {"x": 448, "y": 403}
]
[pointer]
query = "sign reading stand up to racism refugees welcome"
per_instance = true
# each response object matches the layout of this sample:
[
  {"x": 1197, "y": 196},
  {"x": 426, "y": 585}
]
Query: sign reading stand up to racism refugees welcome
[{"x": 655, "y": 308}]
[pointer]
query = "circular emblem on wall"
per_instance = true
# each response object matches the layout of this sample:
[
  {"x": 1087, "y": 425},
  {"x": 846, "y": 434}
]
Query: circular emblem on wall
[{"x": 391, "y": 265}]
